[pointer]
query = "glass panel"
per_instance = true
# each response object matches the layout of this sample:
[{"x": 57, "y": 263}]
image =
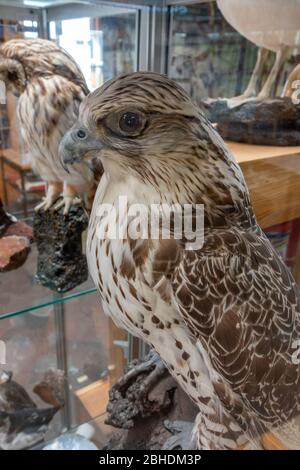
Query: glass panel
[
  {"x": 103, "y": 41},
  {"x": 40, "y": 329},
  {"x": 32, "y": 296},
  {"x": 102, "y": 46},
  {"x": 209, "y": 58},
  {"x": 75, "y": 337}
]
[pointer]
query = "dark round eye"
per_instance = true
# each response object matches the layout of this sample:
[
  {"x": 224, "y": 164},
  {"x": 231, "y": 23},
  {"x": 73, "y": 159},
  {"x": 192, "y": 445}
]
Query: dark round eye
[
  {"x": 81, "y": 134},
  {"x": 129, "y": 122},
  {"x": 12, "y": 76}
]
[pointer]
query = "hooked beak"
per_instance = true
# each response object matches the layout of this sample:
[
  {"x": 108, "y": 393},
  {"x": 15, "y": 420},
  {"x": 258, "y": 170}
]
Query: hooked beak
[{"x": 76, "y": 144}]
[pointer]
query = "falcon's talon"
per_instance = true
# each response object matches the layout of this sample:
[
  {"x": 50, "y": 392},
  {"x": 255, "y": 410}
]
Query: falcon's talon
[
  {"x": 67, "y": 202},
  {"x": 138, "y": 391},
  {"x": 238, "y": 100},
  {"x": 154, "y": 376},
  {"x": 154, "y": 362},
  {"x": 47, "y": 202}
]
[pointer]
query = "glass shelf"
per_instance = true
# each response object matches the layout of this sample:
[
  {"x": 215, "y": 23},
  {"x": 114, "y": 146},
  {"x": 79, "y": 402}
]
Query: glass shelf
[
  {"x": 20, "y": 293},
  {"x": 42, "y": 330}
]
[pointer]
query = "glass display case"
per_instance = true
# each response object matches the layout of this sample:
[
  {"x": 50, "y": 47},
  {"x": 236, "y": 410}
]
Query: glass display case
[
  {"x": 209, "y": 58},
  {"x": 193, "y": 43},
  {"x": 41, "y": 330}
]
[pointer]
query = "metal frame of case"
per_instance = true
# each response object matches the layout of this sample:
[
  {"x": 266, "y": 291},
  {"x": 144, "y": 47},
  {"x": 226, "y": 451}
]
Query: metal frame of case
[{"x": 154, "y": 17}]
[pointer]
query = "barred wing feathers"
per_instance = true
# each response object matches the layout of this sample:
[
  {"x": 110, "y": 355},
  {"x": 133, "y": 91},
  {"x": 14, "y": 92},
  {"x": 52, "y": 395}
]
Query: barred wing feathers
[{"x": 242, "y": 303}]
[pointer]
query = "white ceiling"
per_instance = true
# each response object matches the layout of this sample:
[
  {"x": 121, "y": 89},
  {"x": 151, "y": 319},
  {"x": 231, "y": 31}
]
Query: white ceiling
[{"x": 35, "y": 3}]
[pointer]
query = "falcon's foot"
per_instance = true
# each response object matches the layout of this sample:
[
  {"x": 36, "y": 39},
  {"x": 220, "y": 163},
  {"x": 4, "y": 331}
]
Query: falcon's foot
[
  {"x": 68, "y": 200},
  {"x": 237, "y": 100},
  {"x": 53, "y": 192},
  {"x": 155, "y": 368},
  {"x": 182, "y": 435},
  {"x": 142, "y": 391}
]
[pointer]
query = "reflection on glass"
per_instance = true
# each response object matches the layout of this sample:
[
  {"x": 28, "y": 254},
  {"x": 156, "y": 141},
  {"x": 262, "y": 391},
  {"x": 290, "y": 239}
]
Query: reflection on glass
[
  {"x": 75, "y": 337},
  {"x": 103, "y": 47},
  {"x": 207, "y": 56}
]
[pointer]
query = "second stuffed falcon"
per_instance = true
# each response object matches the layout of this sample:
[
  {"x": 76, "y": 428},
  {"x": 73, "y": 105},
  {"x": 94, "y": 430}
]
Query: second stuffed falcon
[
  {"x": 50, "y": 87},
  {"x": 225, "y": 318}
]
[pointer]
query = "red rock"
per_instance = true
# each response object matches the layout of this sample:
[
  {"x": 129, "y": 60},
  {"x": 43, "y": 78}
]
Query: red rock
[
  {"x": 13, "y": 252},
  {"x": 20, "y": 229},
  {"x": 10, "y": 226}
]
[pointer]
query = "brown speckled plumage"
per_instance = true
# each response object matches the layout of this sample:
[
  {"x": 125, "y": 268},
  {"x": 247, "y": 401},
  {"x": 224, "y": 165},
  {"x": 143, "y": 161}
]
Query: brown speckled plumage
[
  {"x": 223, "y": 318},
  {"x": 51, "y": 87}
]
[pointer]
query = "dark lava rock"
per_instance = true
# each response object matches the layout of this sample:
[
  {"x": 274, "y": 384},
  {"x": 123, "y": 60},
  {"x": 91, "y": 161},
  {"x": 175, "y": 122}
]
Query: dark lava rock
[
  {"x": 61, "y": 263},
  {"x": 13, "y": 252},
  {"x": 142, "y": 414},
  {"x": 273, "y": 121}
]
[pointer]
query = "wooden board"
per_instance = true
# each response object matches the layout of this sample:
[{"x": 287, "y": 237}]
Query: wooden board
[
  {"x": 15, "y": 157},
  {"x": 273, "y": 178},
  {"x": 250, "y": 153},
  {"x": 93, "y": 400}
]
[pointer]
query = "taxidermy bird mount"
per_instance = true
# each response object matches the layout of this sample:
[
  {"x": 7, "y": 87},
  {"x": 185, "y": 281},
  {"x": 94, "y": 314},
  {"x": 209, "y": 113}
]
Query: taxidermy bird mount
[
  {"x": 256, "y": 117},
  {"x": 50, "y": 87},
  {"x": 224, "y": 318},
  {"x": 273, "y": 25}
]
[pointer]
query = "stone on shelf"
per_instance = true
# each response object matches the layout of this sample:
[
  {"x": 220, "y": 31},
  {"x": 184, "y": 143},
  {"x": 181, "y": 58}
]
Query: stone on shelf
[
  {"x": 20, "y": 229},
  {"x": 13, "y": 252},
  {"x": 9, "y": 225},
  {"x": 61, "y": 264},
  {"x": 274, "y": 121}
]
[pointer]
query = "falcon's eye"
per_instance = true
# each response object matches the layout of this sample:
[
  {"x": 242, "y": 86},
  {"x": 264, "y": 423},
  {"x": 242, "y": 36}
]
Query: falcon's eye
[
  {"x": 124, "y": 123},
  {"x": 81, "y": 134},
  {"x": 129, "y": 122},
  {"x": 12, "y": 76}
]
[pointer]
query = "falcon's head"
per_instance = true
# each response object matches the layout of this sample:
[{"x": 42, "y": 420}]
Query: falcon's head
[
  {"x": 23, "y": 60},
  {"x": 145, "y": 125}
]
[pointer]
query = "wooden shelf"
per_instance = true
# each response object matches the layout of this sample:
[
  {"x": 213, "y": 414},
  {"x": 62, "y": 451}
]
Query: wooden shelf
[
  {"x": 14, "y": 158},
  {"x": 93, "y": 398},
  {"x": 273, "y": 178}
]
